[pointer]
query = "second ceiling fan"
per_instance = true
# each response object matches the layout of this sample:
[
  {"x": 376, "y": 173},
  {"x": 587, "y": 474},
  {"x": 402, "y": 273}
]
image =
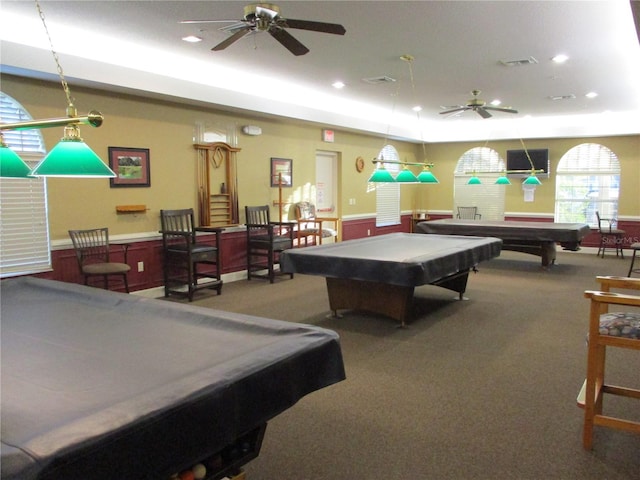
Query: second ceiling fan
[
  {"x": 265, "y": 17},
  {"x": 479, "y": 106}
]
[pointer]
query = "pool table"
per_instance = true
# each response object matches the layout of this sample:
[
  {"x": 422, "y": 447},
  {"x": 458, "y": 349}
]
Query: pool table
[
  {"x": 378, "y": 274},
  {"x": 536, "y": 238},
  {"x": 102, "y": 385}
]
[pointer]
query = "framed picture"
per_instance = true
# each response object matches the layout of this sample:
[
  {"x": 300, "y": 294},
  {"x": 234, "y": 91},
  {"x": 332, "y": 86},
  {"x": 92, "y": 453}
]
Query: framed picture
[
  {"x": 131, "y": 166},
  {"x": 281, "y": 173}
]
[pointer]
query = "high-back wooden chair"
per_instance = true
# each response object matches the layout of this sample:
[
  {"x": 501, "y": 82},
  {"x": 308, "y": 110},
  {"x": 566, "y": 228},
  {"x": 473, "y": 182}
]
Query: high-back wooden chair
[
  {"x": 183, "y": 254},
  {"x": 265, "y": 241},
  {"x": 468, "y": 213},
  {"x": 606, "y": 330},
  {"x": 94, "y": 256},
  {"x": 310, "y": 226},
  {"x": 610, "y": 236}
]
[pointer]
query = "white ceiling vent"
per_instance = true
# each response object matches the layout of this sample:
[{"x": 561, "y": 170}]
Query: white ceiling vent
[
  {"x": 562, "y": 97},
  {"x": 378, "y": 80},
  {"x": 519, "y": 63}
]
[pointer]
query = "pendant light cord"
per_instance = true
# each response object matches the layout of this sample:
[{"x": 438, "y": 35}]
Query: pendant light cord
[{"x": 65, "y": 86}]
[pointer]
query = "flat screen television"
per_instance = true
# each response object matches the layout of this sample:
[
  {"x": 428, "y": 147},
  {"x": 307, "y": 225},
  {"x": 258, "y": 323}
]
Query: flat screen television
[{"x": 517, "y": 160}]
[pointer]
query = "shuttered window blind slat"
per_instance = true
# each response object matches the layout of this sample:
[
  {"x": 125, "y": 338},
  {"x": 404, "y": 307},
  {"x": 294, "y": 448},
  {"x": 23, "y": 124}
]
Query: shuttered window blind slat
[
  {"x": 24, "y": 226},
  {"x": 587, "y": 181},
  {"x": 388, "y": 194},
  {"x": 488, "y": 197}
]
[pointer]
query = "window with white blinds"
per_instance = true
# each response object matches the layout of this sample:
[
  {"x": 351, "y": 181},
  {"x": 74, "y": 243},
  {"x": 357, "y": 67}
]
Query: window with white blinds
[
  {"x": 587, "y": 181},
  {"x": 388, "y": 194},
  {"x": 24, "y": 226},
  {"x": 488, "y": 197}
]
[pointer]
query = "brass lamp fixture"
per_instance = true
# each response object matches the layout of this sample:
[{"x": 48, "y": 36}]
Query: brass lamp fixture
[
  {"x": 406, "y": 176},
  {"x": 532, "y": 179},
  {"x": 69, "y": 158}
]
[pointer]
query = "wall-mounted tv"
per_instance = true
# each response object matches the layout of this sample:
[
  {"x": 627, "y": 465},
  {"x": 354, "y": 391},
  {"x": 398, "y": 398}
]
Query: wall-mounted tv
[{"x": 517, "y": 160}]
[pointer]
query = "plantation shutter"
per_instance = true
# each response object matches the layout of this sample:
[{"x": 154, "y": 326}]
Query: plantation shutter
[
  {"x": 388, "y": 194},
  {"x": 24, "y": 226}
]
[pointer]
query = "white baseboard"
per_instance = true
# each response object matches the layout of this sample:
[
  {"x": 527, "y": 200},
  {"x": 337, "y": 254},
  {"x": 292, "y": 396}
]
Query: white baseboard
[{"x": 158, "y": 292}]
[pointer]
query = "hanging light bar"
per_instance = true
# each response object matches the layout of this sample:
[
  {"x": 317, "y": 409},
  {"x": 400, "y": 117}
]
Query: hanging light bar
[
  {"x": 382, "y": 175},
  {"x": 71, "y": 157}
]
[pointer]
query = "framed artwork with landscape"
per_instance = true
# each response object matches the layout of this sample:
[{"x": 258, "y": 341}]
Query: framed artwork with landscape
[
  {"x": 131, "y": 166},
  {"x": 281, "y": 174}
]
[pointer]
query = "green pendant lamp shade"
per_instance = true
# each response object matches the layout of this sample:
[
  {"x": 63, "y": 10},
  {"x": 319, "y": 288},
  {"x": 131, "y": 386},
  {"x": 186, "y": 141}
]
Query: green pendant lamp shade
[
  {"x": 532, "y": 180},
  {"x": 381, "y": 175},
  {"x": 426, "y": 176},
  {"x": 72, "y": 158},
  {"x": 11, "y": 165},
  {"x": 503, "y": 180},
  {"x": 474, "y": 181},
  {"x": 406, "y": 176}
]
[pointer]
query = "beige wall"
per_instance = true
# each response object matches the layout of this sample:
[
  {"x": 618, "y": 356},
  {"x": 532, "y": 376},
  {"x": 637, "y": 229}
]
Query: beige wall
[{"x": 167, "y": 129}]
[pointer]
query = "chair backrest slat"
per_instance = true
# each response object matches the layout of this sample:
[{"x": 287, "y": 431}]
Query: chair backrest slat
[
  {"x": 179, "y": 221},
  {"x": 91, "y": 246}
]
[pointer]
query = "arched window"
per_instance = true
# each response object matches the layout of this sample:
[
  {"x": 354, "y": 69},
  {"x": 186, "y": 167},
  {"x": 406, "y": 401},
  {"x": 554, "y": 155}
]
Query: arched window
[
  {"x": 587, "y": 180},
  {"x": 488, "y": 197},
  {"x": 24, "y": 226},
  {"x": 388, "y": 194}
]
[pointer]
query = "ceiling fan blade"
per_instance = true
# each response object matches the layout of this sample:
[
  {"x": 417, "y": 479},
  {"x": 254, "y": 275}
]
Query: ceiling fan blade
[
  {"x": 483, "y": 113},
  {"x": 323, "y": 27},
  {"x": 232, "y": 39},
  {"x": 502, "y": 109},
  {"x": 454, "y": 110},
  {"x": 288, "y": 41},
  {"x": 208, "y": 21}
]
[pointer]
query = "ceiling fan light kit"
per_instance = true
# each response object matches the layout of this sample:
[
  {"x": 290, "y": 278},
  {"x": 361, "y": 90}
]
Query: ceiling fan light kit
[{"x": 265, "y": 17}]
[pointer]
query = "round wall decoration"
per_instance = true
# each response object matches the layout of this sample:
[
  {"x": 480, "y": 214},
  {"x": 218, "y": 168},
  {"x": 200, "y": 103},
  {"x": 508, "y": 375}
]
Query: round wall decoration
[{"x": 359, "y": 164}]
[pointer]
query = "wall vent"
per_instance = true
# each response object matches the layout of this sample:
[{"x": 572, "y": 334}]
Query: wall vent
[
  {"x": 519, "y": 63},
  {"x": 378, "y": 80}
]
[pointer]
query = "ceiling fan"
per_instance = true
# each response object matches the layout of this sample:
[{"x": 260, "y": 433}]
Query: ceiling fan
[
  {"x": 266, "y": 17},
  {"x": 479, "y": 106}
]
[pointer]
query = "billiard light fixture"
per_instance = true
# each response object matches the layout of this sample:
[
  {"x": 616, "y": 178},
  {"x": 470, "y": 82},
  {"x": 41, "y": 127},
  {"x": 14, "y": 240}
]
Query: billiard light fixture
[
  {"x": 69, "y": 158},
  {"x": 382, "y": 175},
  {"x": 406, "y": 176},
  {"x": 532, "y": 179}
]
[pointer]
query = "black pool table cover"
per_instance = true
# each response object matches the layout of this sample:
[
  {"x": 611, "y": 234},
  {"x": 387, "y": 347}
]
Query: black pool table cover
[
  {"x": 404, "y": 259},
  {"x": 103, "y": 385}
]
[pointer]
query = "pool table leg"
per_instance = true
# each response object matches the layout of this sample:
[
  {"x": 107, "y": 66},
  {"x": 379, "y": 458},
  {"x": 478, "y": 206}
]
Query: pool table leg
[{"x": 391, "y": 300}]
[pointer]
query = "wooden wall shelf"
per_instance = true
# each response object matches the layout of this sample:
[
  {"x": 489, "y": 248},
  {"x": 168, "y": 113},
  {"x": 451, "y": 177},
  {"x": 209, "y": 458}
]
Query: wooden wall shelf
[{"x": 131, "y": 208}]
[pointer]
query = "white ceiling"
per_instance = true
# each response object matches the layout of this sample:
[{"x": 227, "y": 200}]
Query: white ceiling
[{"x": 457, "y": 46}]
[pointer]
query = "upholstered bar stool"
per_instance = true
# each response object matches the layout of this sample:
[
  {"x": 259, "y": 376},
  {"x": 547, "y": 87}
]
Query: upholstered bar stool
[{"x": 635, "y": 247}]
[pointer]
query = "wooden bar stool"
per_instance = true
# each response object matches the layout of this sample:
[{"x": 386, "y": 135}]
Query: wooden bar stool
[
  {"x": 608, "y": 329},
  {"x": 635, "y": 247}
]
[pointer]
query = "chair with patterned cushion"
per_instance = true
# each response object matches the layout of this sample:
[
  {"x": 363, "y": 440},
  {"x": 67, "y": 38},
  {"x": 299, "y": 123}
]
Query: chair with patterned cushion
[
  {"x": 183, "y": 254},
  {"x": 265, "y": 241},
  {"x": 93, "y": 253},
  {"x": 310, "y": 226},
  {"x": 609, "y": 329},
  {"x": 609, "y": 235}
]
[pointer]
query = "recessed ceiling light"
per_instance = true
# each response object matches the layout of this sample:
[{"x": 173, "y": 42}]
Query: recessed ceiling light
[
  {"x": 591, "y": 95},
  {"x": 560, "y": 58},
  {"x": 495, "y": 102},
  {"x": 338, "y": 85},
  {"x": 192, "y": 39},
  {"x": 417, "y": 108}
]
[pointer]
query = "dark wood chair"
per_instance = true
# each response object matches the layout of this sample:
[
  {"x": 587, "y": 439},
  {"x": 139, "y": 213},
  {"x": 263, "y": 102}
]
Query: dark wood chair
[
  {"x": 468, "y": 213},
  {"x": 609, "y": 235},
  {"x": 93, "y": 253},
  {"x": 265, "y": 241},
  {"x": 182, "y": 254}
]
